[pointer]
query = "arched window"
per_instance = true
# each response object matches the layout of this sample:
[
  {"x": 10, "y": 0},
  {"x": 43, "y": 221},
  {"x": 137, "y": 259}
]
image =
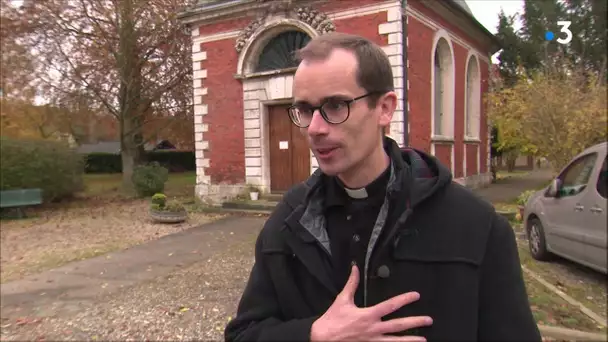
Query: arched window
[
  {"x": 473, "y": 101},
  {"x": 443, "y": 89},
  {"x": 279, "y": 53}
]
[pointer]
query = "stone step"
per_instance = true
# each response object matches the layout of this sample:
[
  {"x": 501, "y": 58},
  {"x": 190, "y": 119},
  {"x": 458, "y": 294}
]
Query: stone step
[
  {"x": 276, "y": 197},
  {"x": 261, "y": 205}
]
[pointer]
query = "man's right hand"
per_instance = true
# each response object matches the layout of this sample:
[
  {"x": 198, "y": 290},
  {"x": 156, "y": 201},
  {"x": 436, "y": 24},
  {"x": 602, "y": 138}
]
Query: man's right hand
[{"x": 344, "y": 321}]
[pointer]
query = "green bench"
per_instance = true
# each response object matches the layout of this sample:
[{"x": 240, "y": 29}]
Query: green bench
[{"x": 18, "y": 199}]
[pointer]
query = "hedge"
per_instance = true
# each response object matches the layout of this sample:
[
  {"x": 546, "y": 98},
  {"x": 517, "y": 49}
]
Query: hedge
[
  {"x": 174, "y": 161},
  {"x": 51, "y": 166}
]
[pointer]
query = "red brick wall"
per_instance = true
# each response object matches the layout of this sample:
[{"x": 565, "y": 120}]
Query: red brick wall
[
  {"x": 419, "y": 76},
  {"x": 416, "y": 4},
  {"x": 443, "y": 153},
  {"x": 225, "y": 94},
  {"x": 366, "y": 26},
  {"x": 471, "y": 158},
  {"x": 224, "y": 101},
  {"x": 460, "y": 61}
]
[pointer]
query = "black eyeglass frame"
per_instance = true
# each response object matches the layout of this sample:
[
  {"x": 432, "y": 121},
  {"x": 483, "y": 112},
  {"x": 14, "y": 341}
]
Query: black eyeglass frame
[{"x": 324, "y": 115}]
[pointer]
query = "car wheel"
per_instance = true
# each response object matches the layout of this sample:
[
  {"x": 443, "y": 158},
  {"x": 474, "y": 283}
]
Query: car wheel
[{"x": 536, "y": 240}]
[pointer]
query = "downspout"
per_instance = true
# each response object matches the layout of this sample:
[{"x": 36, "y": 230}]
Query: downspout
[{"x": 406, "y": 133}]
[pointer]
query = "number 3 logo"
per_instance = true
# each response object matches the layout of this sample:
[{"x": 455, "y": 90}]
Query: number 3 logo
[{"x": 565, "y": 27}]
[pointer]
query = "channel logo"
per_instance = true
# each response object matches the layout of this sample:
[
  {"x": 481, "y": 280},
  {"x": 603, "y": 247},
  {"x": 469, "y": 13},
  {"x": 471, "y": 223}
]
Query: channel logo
[{"x": 565, "y": 29}]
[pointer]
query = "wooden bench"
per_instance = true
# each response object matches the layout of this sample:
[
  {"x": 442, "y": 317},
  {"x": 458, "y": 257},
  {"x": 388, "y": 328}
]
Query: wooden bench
[{"x": 20, "y": 198}]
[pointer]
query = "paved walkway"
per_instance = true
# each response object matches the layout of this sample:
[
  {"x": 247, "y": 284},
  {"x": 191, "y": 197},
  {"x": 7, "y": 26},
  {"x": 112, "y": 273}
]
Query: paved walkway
[
  {"x": 508, "y": 189},
  {"x": 75, "y": 286}
]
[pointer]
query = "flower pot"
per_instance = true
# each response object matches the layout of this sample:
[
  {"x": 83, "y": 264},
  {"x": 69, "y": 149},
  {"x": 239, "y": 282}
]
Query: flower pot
[
  {"x": 254, "y": 196},
  {"x": 168, "y": 216}
]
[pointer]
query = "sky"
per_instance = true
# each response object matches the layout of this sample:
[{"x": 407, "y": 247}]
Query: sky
[{"x": 486, "y": 12}]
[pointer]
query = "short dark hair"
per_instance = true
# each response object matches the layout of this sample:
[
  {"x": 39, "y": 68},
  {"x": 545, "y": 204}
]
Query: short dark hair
[{"x": 374, "y": 73}]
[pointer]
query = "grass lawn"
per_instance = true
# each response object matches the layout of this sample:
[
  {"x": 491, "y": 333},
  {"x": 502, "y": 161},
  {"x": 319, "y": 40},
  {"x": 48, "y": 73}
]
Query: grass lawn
[
  {"x": 584, "y": 285},
  {"x": 505, "y": 174},
  {"x": 101, "y": 219},
  {"x": 110, "y": 185}
]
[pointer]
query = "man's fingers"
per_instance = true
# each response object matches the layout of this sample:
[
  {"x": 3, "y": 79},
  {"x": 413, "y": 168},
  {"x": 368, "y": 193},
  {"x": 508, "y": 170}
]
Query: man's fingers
[
  {"x": 351, "y": 285},
  {"x": 398, "y": 325},
  {"x": 393, "y": 304}
]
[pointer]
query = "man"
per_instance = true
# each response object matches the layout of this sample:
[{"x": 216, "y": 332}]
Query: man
[{"x": 378, "y": 244}]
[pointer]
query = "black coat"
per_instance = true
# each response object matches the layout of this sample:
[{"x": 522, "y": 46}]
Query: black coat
[{"x": 439, "y": 239}]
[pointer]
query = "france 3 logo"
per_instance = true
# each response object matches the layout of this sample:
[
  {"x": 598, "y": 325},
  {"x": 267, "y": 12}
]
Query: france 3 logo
[{"x": 564, "y": 29}]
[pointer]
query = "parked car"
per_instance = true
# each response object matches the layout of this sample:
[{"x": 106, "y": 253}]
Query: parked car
[{"x": 568, "y": 218}]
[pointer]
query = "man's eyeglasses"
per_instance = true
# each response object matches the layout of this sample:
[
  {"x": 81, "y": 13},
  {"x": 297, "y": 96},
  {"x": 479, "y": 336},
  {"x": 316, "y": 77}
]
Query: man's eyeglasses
[{"x": 334, "y": 111}]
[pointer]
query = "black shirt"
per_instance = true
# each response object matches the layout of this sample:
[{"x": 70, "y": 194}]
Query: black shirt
[{"x": 350, "y": 223}]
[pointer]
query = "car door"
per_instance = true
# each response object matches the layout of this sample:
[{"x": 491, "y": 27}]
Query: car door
[
  {"x": 594, "y": 223},
  {"x": 564, "y": 213}
]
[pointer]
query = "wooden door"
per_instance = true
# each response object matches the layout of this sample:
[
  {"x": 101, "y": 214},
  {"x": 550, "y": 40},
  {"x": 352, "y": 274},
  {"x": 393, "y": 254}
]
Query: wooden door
[{"x": 289, "y": 152}]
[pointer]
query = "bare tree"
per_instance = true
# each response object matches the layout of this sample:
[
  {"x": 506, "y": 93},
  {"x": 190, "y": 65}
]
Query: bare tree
[{"x": 130, "y": 58}]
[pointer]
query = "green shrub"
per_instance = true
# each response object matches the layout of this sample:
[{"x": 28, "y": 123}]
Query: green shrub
[
  {"x": 159, "y": 203},
  {"x": 174, "y": 206},
  {"x": 175, "y": 161},
  {"x": 103, "y": 163},
  {"x": 522, "y": 199},
  {"x": 149, "y": 179},
  {"x": 51, "y": 166},
  {"x": 159, "y": 199}
]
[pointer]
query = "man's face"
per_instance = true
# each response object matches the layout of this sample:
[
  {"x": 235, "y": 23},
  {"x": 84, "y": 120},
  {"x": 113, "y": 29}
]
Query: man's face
[{"x": 345, "y": 147}]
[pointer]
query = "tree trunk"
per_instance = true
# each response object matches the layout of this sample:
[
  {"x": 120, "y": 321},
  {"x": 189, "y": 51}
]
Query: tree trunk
[
  {"x": 130, "y": 99},
  {"x": 511, "y": 160}
]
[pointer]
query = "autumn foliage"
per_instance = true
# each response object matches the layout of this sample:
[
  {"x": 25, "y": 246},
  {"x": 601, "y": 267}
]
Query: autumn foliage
[{"x": 552, "y": 114}]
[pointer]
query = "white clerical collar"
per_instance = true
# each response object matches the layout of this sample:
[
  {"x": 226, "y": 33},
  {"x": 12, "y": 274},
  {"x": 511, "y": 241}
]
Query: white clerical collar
[{"x": 356, "y": 193}]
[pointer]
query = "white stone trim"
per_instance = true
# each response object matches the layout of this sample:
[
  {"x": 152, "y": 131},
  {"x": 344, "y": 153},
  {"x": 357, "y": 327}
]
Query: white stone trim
[
  {"x": 449, "y": 95},
  {"x": 394, "y": 29},
  {"x": 216, "y": 36},
  {"x": 200, "y": 110},
  {"x": 339, "y": 15},
  {"x": 475, "y": 97},
  {"x": 263, "y": 34},
  {"x": 436, "y": 27}
]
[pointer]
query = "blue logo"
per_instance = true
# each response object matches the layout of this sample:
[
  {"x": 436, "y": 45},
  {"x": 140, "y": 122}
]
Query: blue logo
[{"x": 549, "y": 35}]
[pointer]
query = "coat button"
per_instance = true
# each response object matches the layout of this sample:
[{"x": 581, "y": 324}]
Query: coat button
[{"x": 383, "y": 272}]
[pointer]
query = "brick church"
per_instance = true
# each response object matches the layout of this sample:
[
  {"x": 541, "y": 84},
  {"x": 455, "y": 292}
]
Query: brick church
[{"x": 243, "y": 71}]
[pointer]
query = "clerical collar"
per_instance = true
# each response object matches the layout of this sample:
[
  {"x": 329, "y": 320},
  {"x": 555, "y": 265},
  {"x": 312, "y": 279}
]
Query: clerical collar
[
  {"x": 356, "y": 193},
  {"x": 338, "y": 194}
]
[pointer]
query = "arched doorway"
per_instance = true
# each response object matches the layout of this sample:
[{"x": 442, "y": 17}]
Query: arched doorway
[{"x": 288, "y": 151}]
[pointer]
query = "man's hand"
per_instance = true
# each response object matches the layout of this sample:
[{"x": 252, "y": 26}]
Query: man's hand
[{"x": 344, "y": 321}]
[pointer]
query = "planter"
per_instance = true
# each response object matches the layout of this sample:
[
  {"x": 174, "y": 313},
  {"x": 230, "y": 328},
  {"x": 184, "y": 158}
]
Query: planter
[
  {"x": 168, "y": 216},
  {"x": 254, "y": 196}
]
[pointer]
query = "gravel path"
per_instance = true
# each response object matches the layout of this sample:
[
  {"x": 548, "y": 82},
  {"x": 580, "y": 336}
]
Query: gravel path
[
  {"x": 193, "y": 303},
  {"x": 56, "y": 236}
]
